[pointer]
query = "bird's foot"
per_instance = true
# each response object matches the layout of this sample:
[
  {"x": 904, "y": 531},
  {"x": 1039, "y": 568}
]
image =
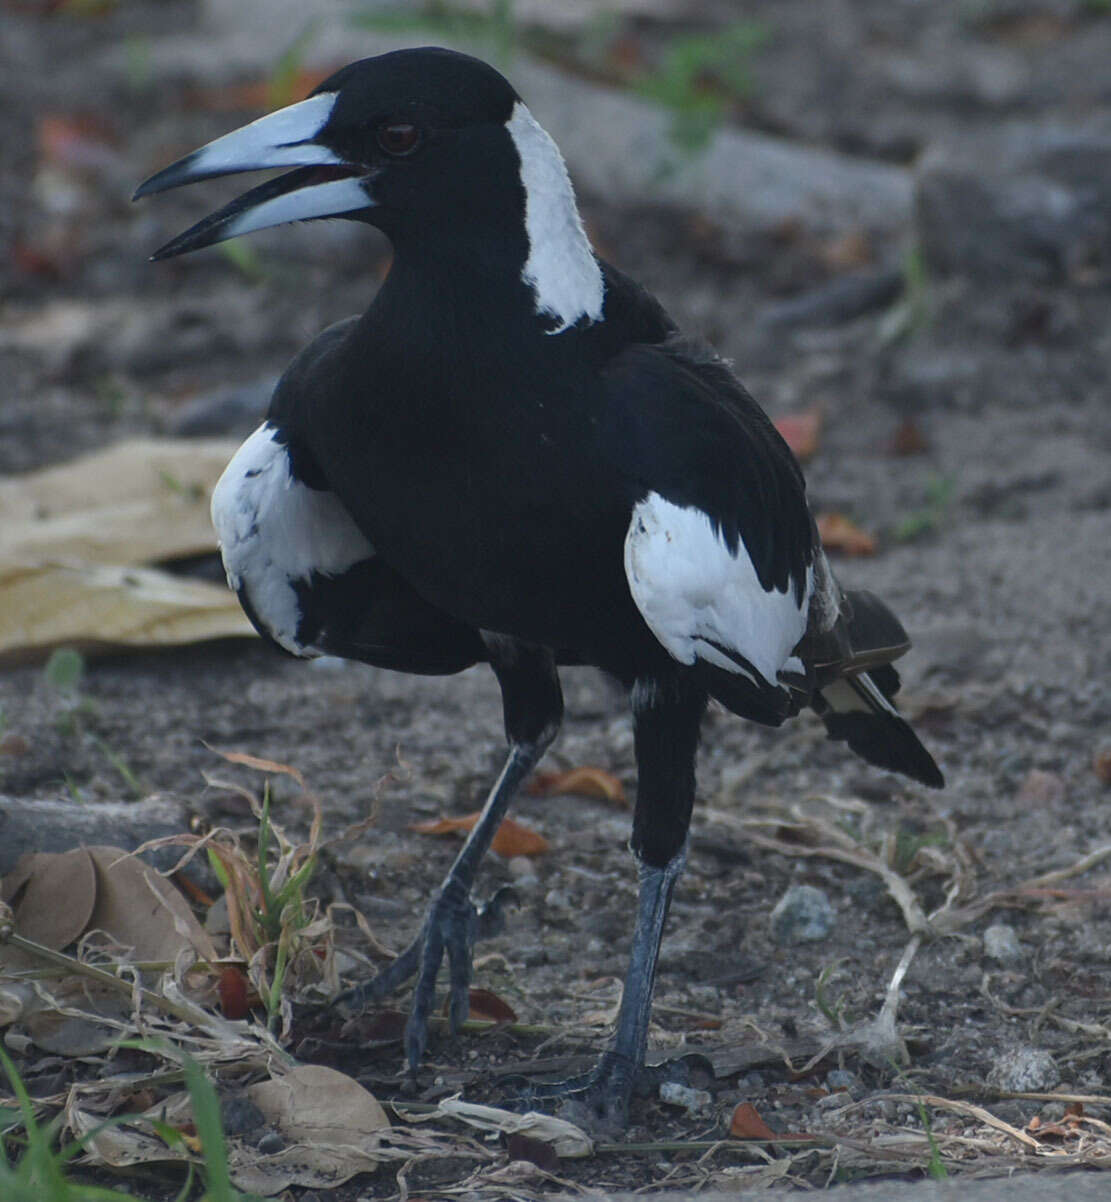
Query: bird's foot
[
  {"x": 597, "y": 1101},
  {"x": 453, "y": 925}
]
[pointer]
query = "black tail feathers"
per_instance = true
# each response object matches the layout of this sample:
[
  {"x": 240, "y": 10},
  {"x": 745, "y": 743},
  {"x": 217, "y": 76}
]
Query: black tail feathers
[{"x": 857, "y": 710}]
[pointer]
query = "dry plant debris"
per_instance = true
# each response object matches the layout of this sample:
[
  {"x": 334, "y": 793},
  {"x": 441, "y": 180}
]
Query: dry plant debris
[
  {"x": 73, "y": 537},
  {"x": 314, "y": 1126}
]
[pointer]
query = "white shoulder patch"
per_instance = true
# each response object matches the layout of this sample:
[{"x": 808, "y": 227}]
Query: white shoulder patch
[
  {"x": 275, "y": 531},
  {"x": 702, "y": 601},
  {"x": 561, "y": 269}
]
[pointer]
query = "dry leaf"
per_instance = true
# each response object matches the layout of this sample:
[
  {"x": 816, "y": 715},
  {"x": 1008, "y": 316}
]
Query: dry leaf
[
  {"x": 801, "y": 430},
  {"x": 262, "y": 765},
  {"x": 512, "y": 838},
  {"x": 142, "y": 910},
  {"x": 63, "y": 895},
  {"x": 746, "y": 1123},
  {"x": 839, "y": 533},
  {"x": 57, "y": 893},
  {"x": 1101, "y": 764},
  {"x": 486, "y": 1006},
  {"x": 233, "y": 989},
  {"x": 908, "y": 439},
  {"x": 140, "y": 501},
  {"x": 567, "y": 1139},
  {"x": 331, "y": 1124},
  {"x": 47, "y": 605},
  {"x": 578, "y": 782}
]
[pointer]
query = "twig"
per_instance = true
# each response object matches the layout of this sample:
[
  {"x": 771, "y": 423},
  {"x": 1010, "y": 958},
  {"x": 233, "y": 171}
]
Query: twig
[{"x": 109, "y": 980}]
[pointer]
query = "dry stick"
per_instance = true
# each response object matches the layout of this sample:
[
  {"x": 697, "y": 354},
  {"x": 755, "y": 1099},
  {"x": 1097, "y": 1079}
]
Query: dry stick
[
  {"x": 976, "y": 1112},
  {"x": 182, "y": 1011}
]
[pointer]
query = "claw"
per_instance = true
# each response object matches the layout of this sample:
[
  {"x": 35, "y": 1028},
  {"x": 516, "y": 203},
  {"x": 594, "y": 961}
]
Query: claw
[
  {"x": 452, "y": 926},
  {"x": 597, "y": 1101}
]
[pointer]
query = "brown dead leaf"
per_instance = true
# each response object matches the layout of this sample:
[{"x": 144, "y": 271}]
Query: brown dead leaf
[
  {"x": 908, "y": 439},
  {"x": 746, "y": 1123},
  {"x": 579, "y": 782},
  {"x": 1101, "y": 764},
  {"x": 486, "y": 1006},
  {"x": 801, "y": 431},
  {"x": 512, "y": 838},
  {"x": 96, "y": 608},
  {"x": 332, "y": 1128},
  {"x": 142, "y": 910},
  {"x": 56, "y": 895},
  {"x": 262, "y": 765},
  {"x": 234, "y": 991},
  {"x": 839, "y": 533}
]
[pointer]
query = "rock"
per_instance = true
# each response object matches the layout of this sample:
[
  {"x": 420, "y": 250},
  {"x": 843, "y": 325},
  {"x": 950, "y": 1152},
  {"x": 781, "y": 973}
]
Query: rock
[
  {"x": 228, "y": 411},
  {"x": 1026, "y": 201},
  {"x": 1024, "y": 1070},
  {"x": 803, "y": 914},
  {"x": 840, "y": 300},
  {"x": 693, "y": 1101},
  {"x": 1001, "y": 944},
  {"x": 56, "y": 826}
]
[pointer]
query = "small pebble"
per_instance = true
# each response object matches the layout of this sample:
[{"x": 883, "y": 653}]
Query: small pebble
[
  {"x": 1001, "y": 944},
  {"x": 1024, "y": 1070},
  {"x": 270, "y": 1143},
  {"x": 802, "y": 915},
  {"x": 522, "y": 870},
  {"x": 693, "y": 1101},
  {"x": 842, "y": 1079}
]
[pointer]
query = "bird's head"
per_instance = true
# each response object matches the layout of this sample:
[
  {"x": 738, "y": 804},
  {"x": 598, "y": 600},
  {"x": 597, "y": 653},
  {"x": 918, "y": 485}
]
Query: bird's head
[{"x": 433, "y": 147}]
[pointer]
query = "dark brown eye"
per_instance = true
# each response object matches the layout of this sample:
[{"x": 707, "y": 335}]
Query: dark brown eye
[{"x": 398, "y": 137}]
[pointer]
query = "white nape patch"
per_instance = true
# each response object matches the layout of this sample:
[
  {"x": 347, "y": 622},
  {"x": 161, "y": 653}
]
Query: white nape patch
[
  {"x": 330, "y": 199},
  {"x": 694, "y": 593},
  {"x": 281, "y": 139},
  {"x": 275, "y": 531},
  {"x": 561, "y": 269}
]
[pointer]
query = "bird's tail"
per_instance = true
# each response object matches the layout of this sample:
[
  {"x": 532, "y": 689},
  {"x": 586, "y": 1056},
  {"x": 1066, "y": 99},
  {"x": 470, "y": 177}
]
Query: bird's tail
[{"x": 854, "y": 696}]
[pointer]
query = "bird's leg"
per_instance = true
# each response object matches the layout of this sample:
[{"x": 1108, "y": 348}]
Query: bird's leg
[
  {"x": 533, "y": 707},
  {"x": 667, "y": 716}
]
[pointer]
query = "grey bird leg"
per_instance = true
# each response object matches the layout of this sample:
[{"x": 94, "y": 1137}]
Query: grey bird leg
[
  {"x": 533, "y": 709},
  {"x": 667, "y": 714}
]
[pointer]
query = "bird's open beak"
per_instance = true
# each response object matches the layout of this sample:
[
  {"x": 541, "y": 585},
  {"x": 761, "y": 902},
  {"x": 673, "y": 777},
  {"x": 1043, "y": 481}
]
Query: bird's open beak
[{"x": 322, "y": 185}]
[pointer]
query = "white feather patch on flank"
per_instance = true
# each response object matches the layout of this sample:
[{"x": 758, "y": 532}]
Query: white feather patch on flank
[
  {"x": 561, "y": 269},
  {"x": 275, "y": 531},
  {"x": 697, "y": 597}
]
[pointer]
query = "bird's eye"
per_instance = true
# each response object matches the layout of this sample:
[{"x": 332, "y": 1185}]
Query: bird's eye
[{"x": 399, "y": 137}]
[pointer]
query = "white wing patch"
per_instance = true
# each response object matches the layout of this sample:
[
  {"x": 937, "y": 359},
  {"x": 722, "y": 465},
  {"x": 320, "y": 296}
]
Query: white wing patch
[
  {"x": 275, "y": 531},
  {"x": 561, "y": 269},
  {"x": 697, "y": 597}
]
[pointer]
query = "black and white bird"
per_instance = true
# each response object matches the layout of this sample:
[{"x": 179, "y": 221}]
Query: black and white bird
[{"x": 515, "y": 457}]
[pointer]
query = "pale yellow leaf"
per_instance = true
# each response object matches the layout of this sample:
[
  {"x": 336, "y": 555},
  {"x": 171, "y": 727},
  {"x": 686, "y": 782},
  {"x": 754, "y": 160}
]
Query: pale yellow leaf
[
  {"x": 139, "y": 501},
  {"x": 46, "y": 605}
]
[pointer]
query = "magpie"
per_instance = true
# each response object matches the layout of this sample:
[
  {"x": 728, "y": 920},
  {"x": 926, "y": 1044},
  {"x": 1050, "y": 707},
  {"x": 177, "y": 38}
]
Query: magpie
[{"x": 514, "y": 457}]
